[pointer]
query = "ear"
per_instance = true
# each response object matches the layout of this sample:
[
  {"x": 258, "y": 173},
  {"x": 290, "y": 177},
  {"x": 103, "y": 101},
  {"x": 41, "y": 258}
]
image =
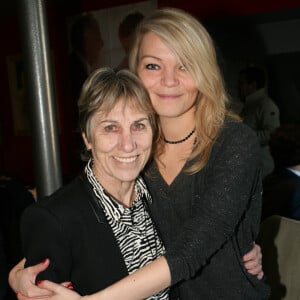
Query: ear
[{"x": 88, "y": 145}]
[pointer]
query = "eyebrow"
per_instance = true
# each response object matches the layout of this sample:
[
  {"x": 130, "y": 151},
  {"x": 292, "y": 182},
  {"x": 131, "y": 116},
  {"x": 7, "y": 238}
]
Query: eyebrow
[
  {"x": 114, "y": 121},
  {"x": 142, "y": 119},
  {"x": 150, "y": 56}
]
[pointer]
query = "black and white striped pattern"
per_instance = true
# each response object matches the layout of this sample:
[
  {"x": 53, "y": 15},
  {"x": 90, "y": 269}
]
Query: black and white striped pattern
[{"x": 132, "y": 227}]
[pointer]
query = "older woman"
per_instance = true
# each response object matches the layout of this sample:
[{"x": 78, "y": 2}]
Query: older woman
[
  {"x": 204, "y": 178},
  {"x": 97, "y": 229}
]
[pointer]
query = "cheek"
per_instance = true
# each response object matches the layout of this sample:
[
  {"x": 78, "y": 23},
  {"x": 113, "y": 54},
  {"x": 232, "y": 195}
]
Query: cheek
[
  {"x": 190, "y": 85},
  {"x": 144, "y": 141},
  {"x": 106, "y": 144},
  {"x": 147, "y": 80},
  {"x": 149, "y": 141},
  {"x": 147, "y": 149},
  {"x": 150, "y": 144},
  {"x": 193, "y": 91}
]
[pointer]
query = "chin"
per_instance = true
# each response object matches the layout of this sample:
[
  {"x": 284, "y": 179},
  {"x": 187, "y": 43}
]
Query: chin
[{"x": 127, "y": 176}]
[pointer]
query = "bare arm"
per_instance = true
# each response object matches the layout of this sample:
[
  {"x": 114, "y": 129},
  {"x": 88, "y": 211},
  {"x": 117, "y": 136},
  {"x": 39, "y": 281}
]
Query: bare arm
[
  {"x": 150, "y": 279},
  {"x": 144, "y": 282},
  {"x": 139, "y": 285}
]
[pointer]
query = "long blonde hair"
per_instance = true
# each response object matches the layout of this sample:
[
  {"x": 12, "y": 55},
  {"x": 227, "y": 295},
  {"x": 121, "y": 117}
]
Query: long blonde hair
[{"x": 194, "y": 47}]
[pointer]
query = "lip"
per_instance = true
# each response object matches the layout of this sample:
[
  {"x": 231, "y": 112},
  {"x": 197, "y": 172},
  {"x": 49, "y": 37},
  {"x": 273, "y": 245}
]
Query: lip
[
  {"x": 169, "y": 96},
  {"x": 126, "y": 159}
]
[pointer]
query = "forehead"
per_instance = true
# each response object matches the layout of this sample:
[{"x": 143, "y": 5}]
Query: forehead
[
  {"x": 120, "y": 109},
  {"x": 153, "y": 46},
  {"x": 152, "y": 41}
]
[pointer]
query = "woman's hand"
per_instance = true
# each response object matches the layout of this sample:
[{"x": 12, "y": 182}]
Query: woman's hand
[
  {"x": 56, "y": 292},
  {"x": 22, "y": 280},
  {"x": 253, "y": 261}
]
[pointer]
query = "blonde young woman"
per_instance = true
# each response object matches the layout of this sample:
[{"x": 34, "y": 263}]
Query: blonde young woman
[{"x": 204, "y": 178}]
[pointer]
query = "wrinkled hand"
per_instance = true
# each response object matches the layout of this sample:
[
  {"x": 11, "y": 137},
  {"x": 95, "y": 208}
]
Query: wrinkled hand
[
  {"x": 56, "y": 291},
  {"x": 253, "y": 262},
  {"x": 22, "y": 280}
]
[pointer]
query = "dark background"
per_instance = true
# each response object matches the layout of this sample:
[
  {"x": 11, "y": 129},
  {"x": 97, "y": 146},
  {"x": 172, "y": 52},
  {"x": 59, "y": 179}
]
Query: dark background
[{"x": 257, "y": 31}]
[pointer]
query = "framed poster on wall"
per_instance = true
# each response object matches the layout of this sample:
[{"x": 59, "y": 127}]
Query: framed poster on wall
[{"x": 110, "y": 48}]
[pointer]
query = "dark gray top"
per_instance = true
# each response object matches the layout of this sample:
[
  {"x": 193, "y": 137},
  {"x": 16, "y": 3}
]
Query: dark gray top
[{"x": 210, "y": 219}]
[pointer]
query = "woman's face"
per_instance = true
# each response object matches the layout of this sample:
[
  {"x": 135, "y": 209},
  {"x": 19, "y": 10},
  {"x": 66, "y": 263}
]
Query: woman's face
[
  {"x": 171, "y": 87},
  {"x": 120, "y": 142}
]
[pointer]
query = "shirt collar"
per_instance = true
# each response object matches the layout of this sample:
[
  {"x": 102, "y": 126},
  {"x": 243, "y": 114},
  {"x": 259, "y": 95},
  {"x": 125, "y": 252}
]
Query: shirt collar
[{"x": 107, "y": 201}]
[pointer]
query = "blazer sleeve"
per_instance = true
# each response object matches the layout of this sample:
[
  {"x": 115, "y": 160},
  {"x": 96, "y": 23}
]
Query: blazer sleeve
[
  {"x": 43, "y": 236},
  {"x": 228, "y": 184}
]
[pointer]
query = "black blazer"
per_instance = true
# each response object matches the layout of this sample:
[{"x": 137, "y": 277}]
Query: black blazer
[{"x": 70, "y": 228}]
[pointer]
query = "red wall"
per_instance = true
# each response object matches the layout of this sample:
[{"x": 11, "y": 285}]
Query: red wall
[{"x": 15, "y": 151}]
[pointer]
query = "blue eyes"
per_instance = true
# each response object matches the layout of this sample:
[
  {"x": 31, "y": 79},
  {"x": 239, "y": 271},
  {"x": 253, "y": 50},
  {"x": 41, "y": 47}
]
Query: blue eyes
[
  {"x": 152, "y": 67},
  {"x": 157, "y": 67}
]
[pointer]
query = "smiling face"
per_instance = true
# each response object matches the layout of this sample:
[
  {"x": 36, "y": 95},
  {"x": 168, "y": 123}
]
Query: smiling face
[
  {"x": 121, "y": 143},
  {"x": 172, "y": 89}
]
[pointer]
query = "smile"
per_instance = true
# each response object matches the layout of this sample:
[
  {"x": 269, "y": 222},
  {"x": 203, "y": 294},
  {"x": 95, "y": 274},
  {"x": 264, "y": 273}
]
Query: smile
[
  {"x": 168, "y": 96},
  {"x": 126, "y": 159}
]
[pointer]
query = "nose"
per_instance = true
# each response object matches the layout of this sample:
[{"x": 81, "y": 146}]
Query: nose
[
  {"x": 169, "y": 77},
  {"x": 127, "y": 142}
]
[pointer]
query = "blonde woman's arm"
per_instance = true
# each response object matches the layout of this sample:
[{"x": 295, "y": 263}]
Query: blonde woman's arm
[{"x": 141, "y": 284}]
